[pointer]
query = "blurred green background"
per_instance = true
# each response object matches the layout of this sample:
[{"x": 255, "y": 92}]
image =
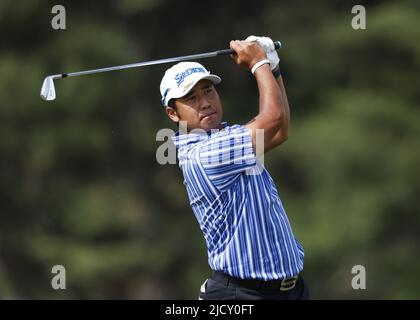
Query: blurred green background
[{"x": 80, "y": 185}]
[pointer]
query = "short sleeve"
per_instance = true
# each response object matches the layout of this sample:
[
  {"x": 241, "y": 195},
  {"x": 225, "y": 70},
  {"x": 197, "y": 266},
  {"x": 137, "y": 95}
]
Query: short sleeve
[{"x": 226, "y": 155}]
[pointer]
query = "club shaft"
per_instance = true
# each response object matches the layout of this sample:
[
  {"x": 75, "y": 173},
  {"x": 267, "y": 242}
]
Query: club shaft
[
  {"x": 142, "y": 64},
  {"x": 277, "y": 45}
]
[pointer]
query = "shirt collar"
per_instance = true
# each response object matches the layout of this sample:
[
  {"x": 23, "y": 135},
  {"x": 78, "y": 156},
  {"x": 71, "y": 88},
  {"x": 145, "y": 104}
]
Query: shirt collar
[{"x": 184, "y": 139}]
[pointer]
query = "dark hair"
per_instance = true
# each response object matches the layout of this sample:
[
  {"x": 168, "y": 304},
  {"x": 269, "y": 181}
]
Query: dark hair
[{"x": 172, "y": 104}]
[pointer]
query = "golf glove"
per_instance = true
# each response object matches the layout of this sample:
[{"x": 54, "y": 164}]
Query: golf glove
[{"x": 268, "y": 45}]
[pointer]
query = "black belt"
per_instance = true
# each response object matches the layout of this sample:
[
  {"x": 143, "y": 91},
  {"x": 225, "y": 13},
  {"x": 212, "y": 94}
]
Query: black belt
[{"x": 255, "y": 284}]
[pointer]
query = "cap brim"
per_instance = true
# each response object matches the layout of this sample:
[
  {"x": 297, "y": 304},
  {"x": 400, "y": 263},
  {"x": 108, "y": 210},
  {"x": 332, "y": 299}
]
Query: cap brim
[{"x": 181, "y": 93}]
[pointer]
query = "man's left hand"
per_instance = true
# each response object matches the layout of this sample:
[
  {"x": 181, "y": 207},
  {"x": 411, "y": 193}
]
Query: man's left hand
[{"x": 268, "y": 45}]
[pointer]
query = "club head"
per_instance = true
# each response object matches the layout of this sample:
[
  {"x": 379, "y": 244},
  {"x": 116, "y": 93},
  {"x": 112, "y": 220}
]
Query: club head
[{"x": 48, "y": 89}]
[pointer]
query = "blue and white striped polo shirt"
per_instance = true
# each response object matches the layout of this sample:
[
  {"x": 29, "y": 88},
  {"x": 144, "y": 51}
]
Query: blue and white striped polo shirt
[{"x": 236, "y": 203}]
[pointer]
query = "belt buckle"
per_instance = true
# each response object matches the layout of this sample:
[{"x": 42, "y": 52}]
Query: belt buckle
[{"x": 288, "y": 284}]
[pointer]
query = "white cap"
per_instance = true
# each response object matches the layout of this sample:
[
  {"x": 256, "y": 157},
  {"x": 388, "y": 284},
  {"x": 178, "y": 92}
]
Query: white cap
[{"x": 181, "y": 78}]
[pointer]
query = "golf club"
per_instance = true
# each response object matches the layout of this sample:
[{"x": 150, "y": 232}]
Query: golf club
[{"x": 48, "y": 89}]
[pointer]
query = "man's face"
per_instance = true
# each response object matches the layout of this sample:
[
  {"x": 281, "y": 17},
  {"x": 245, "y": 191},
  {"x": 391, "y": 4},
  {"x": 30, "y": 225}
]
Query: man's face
[{"x": 200, "y": 108}]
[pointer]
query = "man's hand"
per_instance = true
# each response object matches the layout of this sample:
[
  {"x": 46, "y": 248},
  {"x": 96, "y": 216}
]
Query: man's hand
[
  {"x": 268, "y": 45},
  {"x": 272, "y": 116},
  {"x": 247, "y": 53}
]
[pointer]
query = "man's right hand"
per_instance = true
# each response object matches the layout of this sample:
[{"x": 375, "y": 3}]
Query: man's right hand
[
  {"x": 272, "y": 117},
  {"x": 247, "y": 53}
]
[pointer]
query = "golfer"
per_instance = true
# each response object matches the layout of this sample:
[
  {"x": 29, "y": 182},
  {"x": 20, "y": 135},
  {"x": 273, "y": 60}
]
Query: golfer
[{"x": 251, "y": 247}]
